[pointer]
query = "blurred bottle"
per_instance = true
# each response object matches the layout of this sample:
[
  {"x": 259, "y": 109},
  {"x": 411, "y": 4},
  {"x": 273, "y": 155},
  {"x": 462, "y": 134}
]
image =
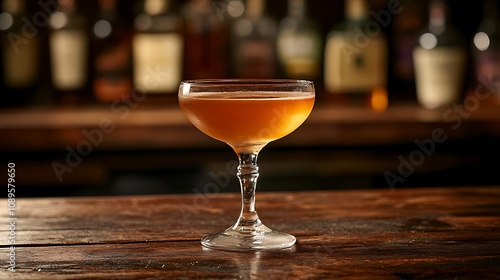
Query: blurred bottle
[
  {"x": 157, "y": 48},
  {"x": 299, "y": 43},
  {"x": 356, "y": 59},
  {"x": 20, "y": 55},
  {"x": 206, "y": 42},
  {"x": 253, "y": 43},
  {"x": 112, "y": 55},
  {"x": 69, "y": 53},
  {"x": 486, "y": 47},
  {"x": 407, "y": 27},
  {"x": 439, "y": 60}
]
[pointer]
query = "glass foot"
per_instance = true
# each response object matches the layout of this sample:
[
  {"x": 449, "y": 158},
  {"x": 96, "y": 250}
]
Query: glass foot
[{"x": 260, "y": 238}]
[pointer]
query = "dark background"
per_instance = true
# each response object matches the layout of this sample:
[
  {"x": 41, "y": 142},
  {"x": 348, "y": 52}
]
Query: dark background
[{"x": 146, "y": 171}]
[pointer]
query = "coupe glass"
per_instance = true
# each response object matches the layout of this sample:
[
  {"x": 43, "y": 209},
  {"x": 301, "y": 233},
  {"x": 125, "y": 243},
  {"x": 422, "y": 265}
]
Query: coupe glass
[{"x": 247, "y": 115}]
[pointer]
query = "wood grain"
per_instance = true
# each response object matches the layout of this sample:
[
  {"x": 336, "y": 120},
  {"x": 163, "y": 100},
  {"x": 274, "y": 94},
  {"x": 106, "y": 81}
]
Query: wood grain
[{"x": 432, "y": 233}]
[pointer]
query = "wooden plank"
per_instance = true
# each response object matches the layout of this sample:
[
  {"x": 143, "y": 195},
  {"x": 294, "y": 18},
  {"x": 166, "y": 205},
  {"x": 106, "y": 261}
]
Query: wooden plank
[
  {"x": 393, "y": 257},
  {"x": 404, "y": 234},
  {"x": 189, "y": 217}
]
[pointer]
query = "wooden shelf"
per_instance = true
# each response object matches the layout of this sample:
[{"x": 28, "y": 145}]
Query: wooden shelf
[
  {"x": 349, "y": 147},
  {"x": 44, "y": 129}
]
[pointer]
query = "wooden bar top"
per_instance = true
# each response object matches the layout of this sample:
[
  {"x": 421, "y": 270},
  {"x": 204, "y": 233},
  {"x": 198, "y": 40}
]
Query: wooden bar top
[{"x": 425, "y": 233}]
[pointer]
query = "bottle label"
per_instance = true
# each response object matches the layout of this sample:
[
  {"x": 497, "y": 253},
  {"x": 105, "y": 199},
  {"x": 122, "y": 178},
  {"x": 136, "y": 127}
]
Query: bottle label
[
  {"x": 69, "y": 54},
  {"x": 112, "y": 67},
  {"x": 157, "y": 62},
  {"x": 355, "y": 68},
  {"x": 21, "y": 68},
  {"x": 439, "y": 73},
  {"x": 299, "y": 54},
  {"x": 297, "y": 45}
]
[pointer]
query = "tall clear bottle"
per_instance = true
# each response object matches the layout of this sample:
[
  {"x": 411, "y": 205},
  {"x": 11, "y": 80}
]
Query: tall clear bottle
[
  {"x": 253, "y": 43},
  {"x": 20, "y": 55},
  {"x": 112, "y": 55},
  {"x": 69, "y": 53},
  {"x": 356, "y": 59},
  {"x": 206, "y": 41},
  {"x": 439, "y": 60},
  {"x": 157, "y": 48},
  {"x": 299, "y": 43},
  {"x": 486, "y": 49}
]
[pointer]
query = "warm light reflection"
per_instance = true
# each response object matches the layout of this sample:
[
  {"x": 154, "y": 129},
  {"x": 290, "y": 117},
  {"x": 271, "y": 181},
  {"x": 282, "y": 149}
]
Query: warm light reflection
[
  {"x": 379, "y": 100},
  {"x": 155, "y": 7}
]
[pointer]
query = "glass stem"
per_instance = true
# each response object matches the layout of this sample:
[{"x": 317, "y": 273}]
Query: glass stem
[{"x": 248, "y": 172}]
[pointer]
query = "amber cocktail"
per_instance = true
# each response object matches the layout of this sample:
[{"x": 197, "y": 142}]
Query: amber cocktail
[{"x": 247, "y": 114}]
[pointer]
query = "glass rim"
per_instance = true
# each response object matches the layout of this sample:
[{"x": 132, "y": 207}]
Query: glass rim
[{"x": 240, "y": 82}]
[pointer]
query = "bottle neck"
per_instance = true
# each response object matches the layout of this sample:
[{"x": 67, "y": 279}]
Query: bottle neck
[
  {"x": 297, "y": 8},
  {"x": 491, "y": 15},
  {"x": 14, "y": 7},
  {"x": 67, "y": 6},
  {"x": 438, "y": 16},
  {"x": 156, "y": 7},
  {"x": 200, "y": 6},
  {"x": 356, "y": 10},
  {"x": 108, "y": 10},
  {"x": 107, "y": 5},
  {"x": 255, "y": 8},
  {"x": 490, "y": 9}
]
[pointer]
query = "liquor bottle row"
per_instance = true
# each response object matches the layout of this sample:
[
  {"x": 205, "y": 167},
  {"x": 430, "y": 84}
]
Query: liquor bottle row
[{"x": 55, "y": 51}]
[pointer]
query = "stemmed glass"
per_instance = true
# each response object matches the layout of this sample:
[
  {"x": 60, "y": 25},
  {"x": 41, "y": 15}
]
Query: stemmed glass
[{"x": 247, "y": 115}]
